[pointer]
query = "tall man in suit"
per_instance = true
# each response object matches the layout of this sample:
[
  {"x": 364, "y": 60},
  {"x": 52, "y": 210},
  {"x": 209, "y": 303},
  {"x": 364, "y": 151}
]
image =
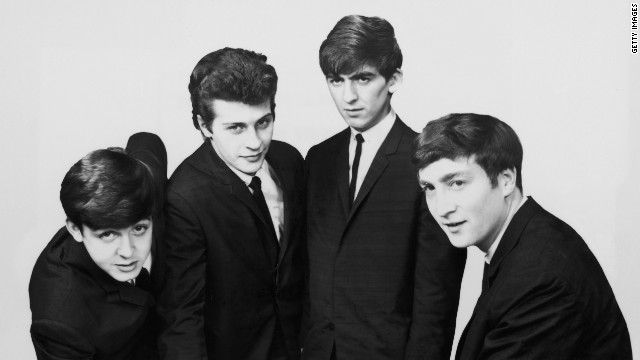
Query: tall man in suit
[
  {"x": 90, "y": 290},
  {"x": 235, "y": 212},
  {"x": 384, "y": 282},
  {"x": 544, "y": 294}
]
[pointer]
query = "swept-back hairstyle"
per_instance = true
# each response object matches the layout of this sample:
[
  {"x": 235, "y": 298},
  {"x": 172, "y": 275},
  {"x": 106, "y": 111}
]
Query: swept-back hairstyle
[
  {"x": 493, "y": 144},
  {"x": 108, "y": 189},
  {"x": 231, "y": 75},
  {"x": 357, "y": 41}
]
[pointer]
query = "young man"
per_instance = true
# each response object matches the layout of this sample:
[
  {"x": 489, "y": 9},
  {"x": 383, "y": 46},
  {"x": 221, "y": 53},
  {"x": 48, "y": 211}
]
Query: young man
[
  {"x": 544, "y": 294},
  {"x": 234, "y": 259},
  {"x": 384, "y": 281},
  {"x": 89, "y": 290}
]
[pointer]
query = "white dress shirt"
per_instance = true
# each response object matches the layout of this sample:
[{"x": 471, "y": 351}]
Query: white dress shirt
[
  {"x": 272, "y": 194},
  {"x": 373, "y": 138}
]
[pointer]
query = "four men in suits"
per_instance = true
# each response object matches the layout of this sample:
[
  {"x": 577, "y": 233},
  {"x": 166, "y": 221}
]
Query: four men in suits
[
  {"x": 384, "y": 281},
  {"x": 90, "y": 290},
  {"x": 544, "y": 295},
  {"x": 235, "y": 215}
]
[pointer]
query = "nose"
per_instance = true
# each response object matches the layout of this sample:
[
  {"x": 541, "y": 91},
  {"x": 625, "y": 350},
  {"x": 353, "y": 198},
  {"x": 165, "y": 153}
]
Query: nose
[
  {"x": 349, "y": 93},
  {"x": 442, "y": 204},
  {"x": 252, "y": 140},
  {"x": 126, "y": 247}
]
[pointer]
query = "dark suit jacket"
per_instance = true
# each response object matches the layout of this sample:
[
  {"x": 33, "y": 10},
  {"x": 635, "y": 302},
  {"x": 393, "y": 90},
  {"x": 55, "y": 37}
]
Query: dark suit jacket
[
  {"x": 78, "y": 310},
  {"x": 384, "y": 281},
  {"x": 547, "y": 298},
  {"x": 226, "y": 284}
]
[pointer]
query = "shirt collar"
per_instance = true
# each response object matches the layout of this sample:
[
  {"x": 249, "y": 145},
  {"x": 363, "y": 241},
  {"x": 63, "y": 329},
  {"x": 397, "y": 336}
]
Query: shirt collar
[
  {"x": 379, "y": 131},
  {"x": 492, "y": 249},
  {"x": 246, "y": 178}
]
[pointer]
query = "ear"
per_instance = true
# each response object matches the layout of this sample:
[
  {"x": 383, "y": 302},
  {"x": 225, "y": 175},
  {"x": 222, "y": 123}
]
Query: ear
[
  {"x": 395, "y": 81},
  {"x": 507, "y": 181},
  {"x": 203, "y": 128},
  {"x": 74, "y": 231}
]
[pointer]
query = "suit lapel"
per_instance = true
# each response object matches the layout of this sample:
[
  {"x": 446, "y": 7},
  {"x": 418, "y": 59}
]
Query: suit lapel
[
  {"x": 512, "y": 235},
  {"x": 379, "y": 164},
  {"x": 213, "y": 165},
  {"x": 341, "y": 169}
]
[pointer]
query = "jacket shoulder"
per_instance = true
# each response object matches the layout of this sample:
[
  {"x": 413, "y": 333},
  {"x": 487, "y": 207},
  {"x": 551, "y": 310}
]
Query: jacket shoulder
[
  {"x": 329, "y": 145},
  {"x": 284, "y": 150}
]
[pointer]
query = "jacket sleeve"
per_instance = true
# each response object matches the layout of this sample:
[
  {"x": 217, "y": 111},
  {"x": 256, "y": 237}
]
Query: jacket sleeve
[
  {"x": 55, "y": 341},
  {"x": 182, "y": 296},
  {"x": 149, "y": 149},
  {"x": 536, "y": 322},
  {"x": 438, "y": 276}
]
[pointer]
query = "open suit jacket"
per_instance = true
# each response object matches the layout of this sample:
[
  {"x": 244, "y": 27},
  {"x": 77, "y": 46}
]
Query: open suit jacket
[
  {"x": 384, "y": 281},
  {"x": 78, "y": 310},
  {"x": 227, "y": 286},
  {"x": 545, "y": 297}
]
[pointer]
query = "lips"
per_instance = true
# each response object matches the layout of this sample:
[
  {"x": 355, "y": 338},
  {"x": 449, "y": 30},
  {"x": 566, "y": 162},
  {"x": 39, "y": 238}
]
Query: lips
[
  {"x": 128, "y": 267},
  {"x": 454, "y": 226},
  {"x": 253, "y": 158}
]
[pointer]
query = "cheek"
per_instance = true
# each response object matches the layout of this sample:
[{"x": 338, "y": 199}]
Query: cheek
[{"x": 101, "y": 253}]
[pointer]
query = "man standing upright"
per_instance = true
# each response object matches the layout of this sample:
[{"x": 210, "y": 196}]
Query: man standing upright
[
  {"x": 384, "y": 281},
  {"x": 234, "y": 259}
]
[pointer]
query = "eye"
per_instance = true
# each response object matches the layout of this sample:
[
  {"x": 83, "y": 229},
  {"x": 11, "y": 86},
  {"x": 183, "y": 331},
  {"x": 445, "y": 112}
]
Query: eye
[
  {"x": 427, "y": 188},
  {"x": 140, "y": 229},
  {"x": 235, "y": 128},
  {"x": 456, "y": 184},
  {"x": 108, "y": 235},
  {"x": 363, "y": 80},
  {"x": 335, "y": 81},
  {"x": 263, "y": 123}
]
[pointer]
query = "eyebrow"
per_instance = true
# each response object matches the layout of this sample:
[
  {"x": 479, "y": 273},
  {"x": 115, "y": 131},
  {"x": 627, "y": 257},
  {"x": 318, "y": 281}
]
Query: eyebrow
[
  {"x": 362, "y": 74},
  {"x": 270, "y": 114},
  {"x": 449, "y": 176}
]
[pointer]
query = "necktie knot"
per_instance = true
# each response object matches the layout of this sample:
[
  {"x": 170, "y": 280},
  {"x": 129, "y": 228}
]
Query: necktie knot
[
  {"x": 359, "y": 138},
  {"x": 255, "y": 184}
]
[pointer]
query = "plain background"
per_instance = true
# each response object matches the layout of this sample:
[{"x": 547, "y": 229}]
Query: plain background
[{"x": 80, "y": 75}]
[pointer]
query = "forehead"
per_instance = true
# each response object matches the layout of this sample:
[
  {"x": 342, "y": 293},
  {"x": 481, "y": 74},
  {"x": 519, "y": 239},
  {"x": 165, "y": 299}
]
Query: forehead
[
  {"x": 239, "y": 112},
  {"x": 440, "y": 169}
]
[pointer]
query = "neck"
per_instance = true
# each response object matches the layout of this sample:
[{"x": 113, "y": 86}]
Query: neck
[{"x": 513, "y": 203}]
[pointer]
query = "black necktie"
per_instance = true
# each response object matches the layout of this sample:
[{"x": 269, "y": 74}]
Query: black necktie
[
  {"x": 485, "y": 277},
  {"x": 258, "y": 196},
  {"x": 143, "y": 280},
  {"x": 354, "y": 169}
]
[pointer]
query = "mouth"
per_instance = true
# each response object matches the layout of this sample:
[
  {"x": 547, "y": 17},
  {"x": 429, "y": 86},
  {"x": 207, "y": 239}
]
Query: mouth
[
  {"x": 454, "y": 226},
  {"x": 352, "y": 111},
  {"x": 253, "y": 158},
  {"x": 128, "y": 267}
]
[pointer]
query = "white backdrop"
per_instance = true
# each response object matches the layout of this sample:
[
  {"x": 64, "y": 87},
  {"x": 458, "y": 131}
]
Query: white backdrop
[{"x": 80, "y": 75}]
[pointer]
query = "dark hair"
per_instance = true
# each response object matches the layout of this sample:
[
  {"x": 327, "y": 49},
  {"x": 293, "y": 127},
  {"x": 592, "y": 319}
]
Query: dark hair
[
  {"x": 231, "y": 75},
  {"x": 357, "y": 41},
  {"x": 108, "y": 189},
  {"x": 493, "y": 143}
]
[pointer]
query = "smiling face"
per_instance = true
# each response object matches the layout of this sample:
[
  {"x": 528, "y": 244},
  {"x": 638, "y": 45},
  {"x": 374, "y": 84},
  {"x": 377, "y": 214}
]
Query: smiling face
[
  {"x": 463, "y": 201},
  {"x": 363, "y": 98},
  {"x": 119, "y": 252},
  {"x": 240, "y": 133}
]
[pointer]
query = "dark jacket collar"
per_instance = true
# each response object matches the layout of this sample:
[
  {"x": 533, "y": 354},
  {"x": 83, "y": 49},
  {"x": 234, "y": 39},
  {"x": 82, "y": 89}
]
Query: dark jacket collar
[{"x": 512, "y": 234}]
